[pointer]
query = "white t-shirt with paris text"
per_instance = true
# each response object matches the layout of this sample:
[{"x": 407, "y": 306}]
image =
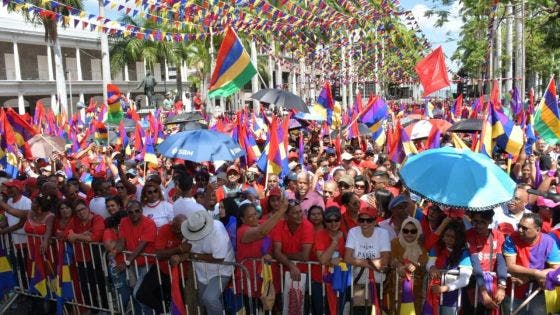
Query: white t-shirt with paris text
[{"x": 368, "y": 247}]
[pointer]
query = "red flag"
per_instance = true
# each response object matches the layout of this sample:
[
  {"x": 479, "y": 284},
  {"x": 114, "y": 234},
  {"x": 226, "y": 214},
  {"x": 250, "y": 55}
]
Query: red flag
[
  {"x": 432, "y": 72},
  {"x": 495, "y": 97},
  {"x": 177, "y": 305}
]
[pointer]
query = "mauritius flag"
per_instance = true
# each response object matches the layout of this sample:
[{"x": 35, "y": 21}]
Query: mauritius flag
[
  {"x": 547, "y": 116},
  {"x": 7, "y": 276},
  {"x": 233, "y": 67}
]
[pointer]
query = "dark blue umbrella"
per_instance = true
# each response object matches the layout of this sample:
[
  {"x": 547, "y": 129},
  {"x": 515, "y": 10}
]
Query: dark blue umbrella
[{"x": 200, "y": 146}]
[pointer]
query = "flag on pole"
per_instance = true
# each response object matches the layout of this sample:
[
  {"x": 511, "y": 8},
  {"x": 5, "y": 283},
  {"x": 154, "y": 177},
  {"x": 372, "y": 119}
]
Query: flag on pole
[
  {"x": 326, "y": 100},
  {"x": 547, "y": 116},
  {"x": 432, "y": 72},
  {"x": 233, "y": 67}
]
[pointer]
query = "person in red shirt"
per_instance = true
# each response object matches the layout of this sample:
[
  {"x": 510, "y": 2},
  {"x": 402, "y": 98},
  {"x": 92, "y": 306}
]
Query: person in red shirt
[
  {"x": 293, "y": 238},
  {"x": 329, "y": 248},
  {"x": 88, "y": 227},
  {"x": 138, "y": 234},
  {"x": 155, "y": 288},
  {"x": 352, "y": 204},
  {"x": 433, "y": 225},
  {"x": 485, "y": 247}
]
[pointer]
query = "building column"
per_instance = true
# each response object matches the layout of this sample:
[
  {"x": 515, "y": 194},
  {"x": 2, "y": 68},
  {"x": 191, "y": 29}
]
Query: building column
[
  {"x": 78, "y": 64},
  {"x": 16, "y": 63},
  {"x": 126, "y": 77},
  {"x": 53, "y": 100},
  {"x": 21, "y": 103},
  {"x": 166, "y": 70},
  {"x": 49, "y": 63}
]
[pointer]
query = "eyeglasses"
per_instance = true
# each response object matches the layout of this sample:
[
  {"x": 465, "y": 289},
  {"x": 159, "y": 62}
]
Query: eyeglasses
[
  {"x": 332, "y": 220},
  {"x": 407, "y": 231},
  {"x": 293, "y": 202},
  {"x": 360, "y": 186},
  {"x": 134, "y": 211},
  {"x": 366, "y": 220},
  {"x": 151, "y": 192},
  {"x": 119, "y": 187}
]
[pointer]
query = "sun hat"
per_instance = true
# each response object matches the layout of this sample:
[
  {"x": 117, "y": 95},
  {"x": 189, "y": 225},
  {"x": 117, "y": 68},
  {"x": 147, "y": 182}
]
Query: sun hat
[
  {"x": 197, "y": 226},
  {"x": 346, "y": 156},
  {"x": 347, "y": 179}
]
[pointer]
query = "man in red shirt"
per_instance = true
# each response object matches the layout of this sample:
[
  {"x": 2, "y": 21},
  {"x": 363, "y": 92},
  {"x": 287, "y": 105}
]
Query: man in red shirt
[
  {"x": 138, "y": 234},
  {"x": 293, "y": 238},
  {"x": 88, "y": 227},
  {"x": 167, "y": 244}
]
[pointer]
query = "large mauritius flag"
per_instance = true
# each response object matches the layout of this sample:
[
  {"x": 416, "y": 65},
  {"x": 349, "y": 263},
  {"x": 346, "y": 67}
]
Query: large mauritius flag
[{"x": 233, "y": 67}]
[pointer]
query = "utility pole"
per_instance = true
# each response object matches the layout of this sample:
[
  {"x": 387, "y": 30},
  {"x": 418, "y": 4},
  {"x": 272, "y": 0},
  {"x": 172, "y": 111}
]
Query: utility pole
[{"x": 509, "y": 48}]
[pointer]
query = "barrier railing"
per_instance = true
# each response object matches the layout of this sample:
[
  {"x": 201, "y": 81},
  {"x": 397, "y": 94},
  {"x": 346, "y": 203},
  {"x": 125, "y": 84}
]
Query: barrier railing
[{"x": 82, "y": 276}]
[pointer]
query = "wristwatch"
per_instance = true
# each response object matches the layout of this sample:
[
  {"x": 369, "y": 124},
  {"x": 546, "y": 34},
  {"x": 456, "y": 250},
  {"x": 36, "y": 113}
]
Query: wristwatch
[{"x": 502, "y": 283}]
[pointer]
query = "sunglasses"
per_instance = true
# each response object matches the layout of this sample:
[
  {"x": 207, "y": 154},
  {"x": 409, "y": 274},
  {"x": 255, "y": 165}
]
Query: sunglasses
[
  {"x": 343, "y": 186},
  {"x": 360, "y": 186},
  {"x": 134, "y": 211},
  {"x": 332, "y": 220},
  {"x": 119, "y": 187},
  {"x": 151, "y": 191},
  {"x": 407, "y": 231},
  {"x": 366, "y": 220}
]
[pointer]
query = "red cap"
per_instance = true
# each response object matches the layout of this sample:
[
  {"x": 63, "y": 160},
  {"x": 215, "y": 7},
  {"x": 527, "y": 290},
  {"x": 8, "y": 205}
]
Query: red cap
[
  {"x": 233, "y": 168},
  {"x": 368, "y": 210},
  {"x": 275, "y": 192},
  {"x": 15, "y": 183}
]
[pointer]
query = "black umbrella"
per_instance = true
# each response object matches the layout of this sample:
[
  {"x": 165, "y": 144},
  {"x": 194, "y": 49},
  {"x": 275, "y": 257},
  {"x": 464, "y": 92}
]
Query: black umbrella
[
  {"x": 467, "y": 125},
  {"x": 129, "y": 125},
  {"x": 183, "y": 118},
  {"x": 281, "y": 98},
  {"x": 194, "y": 125}
]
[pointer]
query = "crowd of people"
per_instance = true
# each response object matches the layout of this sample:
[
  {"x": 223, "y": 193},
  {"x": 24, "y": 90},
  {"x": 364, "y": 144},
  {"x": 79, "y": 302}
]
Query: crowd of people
[{"x": 347, "y": 207}]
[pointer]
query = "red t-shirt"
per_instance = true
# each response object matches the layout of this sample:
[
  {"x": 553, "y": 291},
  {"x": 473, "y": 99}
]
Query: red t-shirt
[
  {"x": 145, "y": 230},
  {"x": 254, "y": 266},
  {"x": 292, "y": 243},
  {"x": 112, "y": 235},
  {"x": 322, "y": 241},
  {"x": 430, "y": 238},
  {"x": 166, "y": 239},
  {"x": 95, "y": 225},
  {"x": 477, "y": 244},
  {"x": 346, "y": 223}
]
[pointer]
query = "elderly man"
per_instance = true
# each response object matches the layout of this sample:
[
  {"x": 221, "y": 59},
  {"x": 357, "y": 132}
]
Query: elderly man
[
  {"x": 530, "y": 255},
  {"x": 307, "y": 197},
  {"x": 507, "y": 218},
  {"x": 210, "y": 244}
]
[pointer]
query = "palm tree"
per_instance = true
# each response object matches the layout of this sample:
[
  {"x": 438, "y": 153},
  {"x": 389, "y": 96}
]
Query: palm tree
[{"x": 50, "y": 25}]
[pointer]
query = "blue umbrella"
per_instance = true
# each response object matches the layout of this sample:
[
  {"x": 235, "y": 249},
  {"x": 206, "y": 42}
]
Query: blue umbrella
[
  {"x": 457, "y": 178},
  {"x": 200, "y": 146}
]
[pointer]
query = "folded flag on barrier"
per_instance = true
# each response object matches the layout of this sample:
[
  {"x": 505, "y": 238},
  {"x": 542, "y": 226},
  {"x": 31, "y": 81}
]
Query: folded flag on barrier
[
  {"x": 177, "y": 304},
  {"x": 7, "y": 276},
  {"x": 64, "y": 289}
]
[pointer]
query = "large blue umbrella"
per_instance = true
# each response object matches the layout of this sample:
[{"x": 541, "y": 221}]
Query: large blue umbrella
[
  {"x": 200, "y": 146},
  {"x": 457, "y": 178}
]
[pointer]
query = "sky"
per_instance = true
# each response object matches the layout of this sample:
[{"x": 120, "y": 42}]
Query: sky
[{"x": 446, "y": 36}]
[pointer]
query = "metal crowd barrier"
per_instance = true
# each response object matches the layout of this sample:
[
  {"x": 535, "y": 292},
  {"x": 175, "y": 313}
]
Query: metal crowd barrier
[{"x": 93, "y": 284}]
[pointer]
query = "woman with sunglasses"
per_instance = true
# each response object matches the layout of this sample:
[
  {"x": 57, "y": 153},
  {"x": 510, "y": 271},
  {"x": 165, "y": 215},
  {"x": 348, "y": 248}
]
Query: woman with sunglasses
[
  {"x": 450, "y": 254},
  {"x": 485, "y": 247},
  {"x": 368, "y": 248},
  {"x": 124, "y": 193},
  {"x": 329, "y": 246},
  {"x": 361, "y": 186},
  {"x": 408, "y": 261},
  {"x": 154, "y": 206}
]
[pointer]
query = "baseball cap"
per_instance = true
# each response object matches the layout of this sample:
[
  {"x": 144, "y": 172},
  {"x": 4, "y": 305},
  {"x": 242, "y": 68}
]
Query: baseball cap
[
  {"x": 367, "y": 210},
  {"x": 398, "y": 200},
  {"x": 133, "y": 172},
  {"x": 346, "y": 156},
  {"x": 347, "y": 179},
  {"x": 233, "y": 168},
  {"x": 275, "y": 192},
  {"x": 292, "y": 176}
]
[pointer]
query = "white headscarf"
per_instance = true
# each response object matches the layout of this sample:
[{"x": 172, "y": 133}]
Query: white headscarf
[{"x": 412, "y": 250}]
